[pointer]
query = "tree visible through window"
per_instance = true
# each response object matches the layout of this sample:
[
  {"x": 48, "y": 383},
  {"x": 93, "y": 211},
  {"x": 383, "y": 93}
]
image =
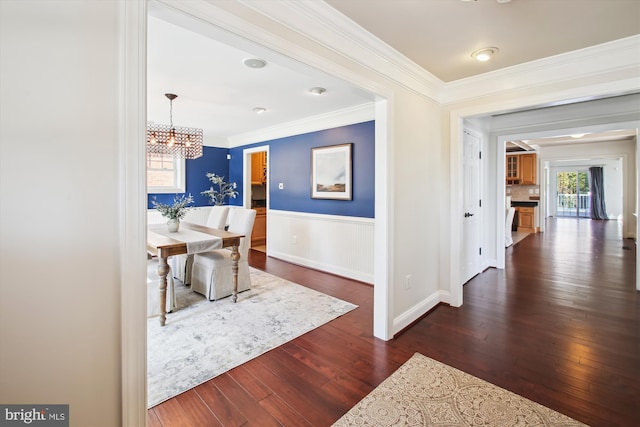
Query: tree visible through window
[{"x": 165, "y": 174}]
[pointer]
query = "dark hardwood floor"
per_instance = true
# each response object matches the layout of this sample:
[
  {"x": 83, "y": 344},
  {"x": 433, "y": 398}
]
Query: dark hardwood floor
[{"x": 560, "y": 326}]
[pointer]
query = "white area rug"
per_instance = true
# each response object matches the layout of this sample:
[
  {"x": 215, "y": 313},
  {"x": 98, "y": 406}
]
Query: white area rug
[
  {"x": 425, "y": 392},
  {"x": 203, "y": 339}
]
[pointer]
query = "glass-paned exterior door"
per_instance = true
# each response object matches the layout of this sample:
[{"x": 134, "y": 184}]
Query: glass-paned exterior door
[{"x": 573, "y": 197}]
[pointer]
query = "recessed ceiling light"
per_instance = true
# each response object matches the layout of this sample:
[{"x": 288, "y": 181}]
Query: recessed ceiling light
[
  {"x": 317, "y": 90},
  {"x": 254, "y": 62},
  {"x": 259, "y": 110},
  {"x": 484, "y": 54}
]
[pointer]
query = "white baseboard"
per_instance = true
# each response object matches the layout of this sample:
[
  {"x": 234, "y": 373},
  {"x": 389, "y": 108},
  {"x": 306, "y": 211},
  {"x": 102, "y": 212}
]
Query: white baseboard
[
  {"x": 489, "y": 263},
  {"x": 329, "y": 268},
  {"x": 414, "y": 313}
]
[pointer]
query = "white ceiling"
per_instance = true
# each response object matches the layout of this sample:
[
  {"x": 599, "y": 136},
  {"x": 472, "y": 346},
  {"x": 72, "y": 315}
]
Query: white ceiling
[{"x": 217, "y": 92}]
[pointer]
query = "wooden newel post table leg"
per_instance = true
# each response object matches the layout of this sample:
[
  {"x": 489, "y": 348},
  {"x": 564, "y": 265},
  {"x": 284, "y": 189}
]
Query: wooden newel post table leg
[
  {"x": 235, "y": 256},
  {"x": 163, "y": 270}
]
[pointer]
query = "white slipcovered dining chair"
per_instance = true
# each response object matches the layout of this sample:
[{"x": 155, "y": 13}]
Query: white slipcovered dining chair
[
  {"x": 211, "y": 274},
  {"x": 181, "y": 265},
  {"x": 508, "y": 239}
]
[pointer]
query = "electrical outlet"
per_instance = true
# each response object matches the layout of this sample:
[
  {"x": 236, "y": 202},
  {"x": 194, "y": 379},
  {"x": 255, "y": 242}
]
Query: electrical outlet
[
  {"x": 407, "y": 282},
  {"x": 531, "y": 191},
  {"x": 537, "y": 191},
  {"x": 294, "y": 239}
]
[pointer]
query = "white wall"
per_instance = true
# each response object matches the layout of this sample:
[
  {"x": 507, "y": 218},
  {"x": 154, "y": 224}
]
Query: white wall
[
  {"x": 59, "y": 250},
  {"x": 417, "y": 206}
]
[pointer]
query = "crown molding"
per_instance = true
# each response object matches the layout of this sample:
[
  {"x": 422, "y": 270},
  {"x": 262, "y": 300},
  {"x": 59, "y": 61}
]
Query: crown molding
[
  {"x": 616, "y": 61},
  {"x": 344, "y": 117},
  {"x": 336, "y": 32}
]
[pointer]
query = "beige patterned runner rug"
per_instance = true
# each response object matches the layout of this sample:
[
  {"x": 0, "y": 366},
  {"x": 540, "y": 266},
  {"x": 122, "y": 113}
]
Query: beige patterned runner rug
[{"x": 424, "y": 392}]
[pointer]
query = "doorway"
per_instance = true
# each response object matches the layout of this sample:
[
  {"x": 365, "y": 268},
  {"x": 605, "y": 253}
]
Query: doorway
[
  {"x": 573, "y": 198},
  {"x": 256, "y": 192},
  {"x": 259, "y": 198}
]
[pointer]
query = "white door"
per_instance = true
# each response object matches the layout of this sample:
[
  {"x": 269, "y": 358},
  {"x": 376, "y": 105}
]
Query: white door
[{"x": 471, "y": 221}]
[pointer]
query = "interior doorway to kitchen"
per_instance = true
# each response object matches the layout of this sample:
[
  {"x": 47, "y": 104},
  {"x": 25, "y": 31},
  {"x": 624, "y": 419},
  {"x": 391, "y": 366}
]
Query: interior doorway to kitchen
[
  {"x": 256, "y": 192},
  {"x": 573, "y": 198}
]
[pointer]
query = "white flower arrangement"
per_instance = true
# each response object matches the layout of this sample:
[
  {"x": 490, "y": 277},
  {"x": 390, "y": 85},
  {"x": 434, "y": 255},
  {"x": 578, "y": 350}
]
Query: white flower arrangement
[
  {"x": 177, "y": 210},
  {"x": 225, "y": 189}
]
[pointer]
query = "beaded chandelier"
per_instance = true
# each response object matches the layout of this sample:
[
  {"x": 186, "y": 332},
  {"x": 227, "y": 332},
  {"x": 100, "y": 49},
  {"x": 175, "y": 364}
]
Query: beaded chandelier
[{"x": 174, "y": 141}]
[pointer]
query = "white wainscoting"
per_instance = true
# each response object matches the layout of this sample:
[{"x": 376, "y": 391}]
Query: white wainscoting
[{"x": 336, "y": 244}]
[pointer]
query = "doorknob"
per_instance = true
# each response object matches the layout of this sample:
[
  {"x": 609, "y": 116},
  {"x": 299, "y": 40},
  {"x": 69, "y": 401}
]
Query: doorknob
[{"x": 467, "y": 214}]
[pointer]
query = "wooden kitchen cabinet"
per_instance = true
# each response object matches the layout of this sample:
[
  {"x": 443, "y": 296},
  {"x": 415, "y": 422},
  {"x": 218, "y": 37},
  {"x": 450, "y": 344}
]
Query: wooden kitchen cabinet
[
  {"x": 528, "y": 169},
  {"x": 520, "y": 169},
  {"x": 526, "y": 222},
  {"x": 258, "y": 167},
  {"x": 512, "y": 169},
  {"x": 259, "y": 233}
]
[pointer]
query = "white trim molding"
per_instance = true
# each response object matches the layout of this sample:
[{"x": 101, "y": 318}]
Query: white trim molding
[
  {"x": 347, "y": 116},
  {"x": 133, "y": 196},
  {"x": 620, "y": 58},
  {"x": 332, "y": 29},
  {"x": 418, "y": 310}
]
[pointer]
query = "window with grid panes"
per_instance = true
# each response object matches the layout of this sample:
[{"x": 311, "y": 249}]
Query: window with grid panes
[{"x": 165, "y": 174}]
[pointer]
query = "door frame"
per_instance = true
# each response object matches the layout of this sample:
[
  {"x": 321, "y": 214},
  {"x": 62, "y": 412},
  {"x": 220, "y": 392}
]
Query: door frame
[
  {"x": 246, "y": 180},
  {"x": 246, "y": 174},
  {"x": 133, "y": 180}
]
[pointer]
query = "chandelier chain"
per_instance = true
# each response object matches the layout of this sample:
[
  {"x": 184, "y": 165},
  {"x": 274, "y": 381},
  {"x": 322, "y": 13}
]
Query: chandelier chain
[{"x": 171, "y": 112}]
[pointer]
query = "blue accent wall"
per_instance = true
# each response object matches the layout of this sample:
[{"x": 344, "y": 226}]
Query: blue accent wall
[
  {"x": 290, "y": 164},
  {"x": 213, "y": 160}
]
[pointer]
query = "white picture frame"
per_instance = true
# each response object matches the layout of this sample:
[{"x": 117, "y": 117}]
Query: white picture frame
[{"x": 331, "y": 172}]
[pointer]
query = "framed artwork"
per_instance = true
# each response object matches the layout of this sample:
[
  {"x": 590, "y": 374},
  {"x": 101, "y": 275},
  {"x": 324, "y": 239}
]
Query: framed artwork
[{"x": 331, "y": 172}]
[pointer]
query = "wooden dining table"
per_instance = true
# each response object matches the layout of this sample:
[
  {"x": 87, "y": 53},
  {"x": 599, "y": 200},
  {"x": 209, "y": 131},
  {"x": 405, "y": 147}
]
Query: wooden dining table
[{"x": 164, "y": 244}]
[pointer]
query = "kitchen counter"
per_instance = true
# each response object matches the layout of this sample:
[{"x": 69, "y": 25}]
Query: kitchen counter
[{"x": 524, "y": 204}]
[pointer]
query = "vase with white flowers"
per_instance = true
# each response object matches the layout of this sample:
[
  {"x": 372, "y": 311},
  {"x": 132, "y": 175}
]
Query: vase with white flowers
[
  {"x": 223, "y": 190},
  {"x": 175, "y": 211}
]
